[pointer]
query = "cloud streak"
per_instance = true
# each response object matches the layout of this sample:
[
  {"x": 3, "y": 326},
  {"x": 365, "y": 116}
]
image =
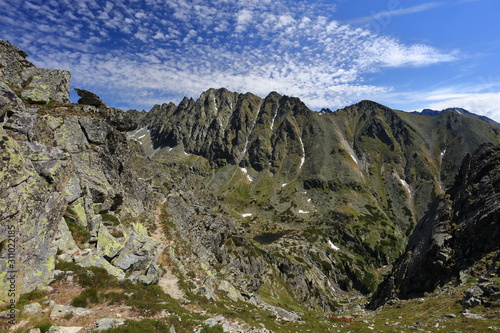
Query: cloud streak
[
  {"x": 384, "y": 15},
  {"x": 138, "y": 51}
]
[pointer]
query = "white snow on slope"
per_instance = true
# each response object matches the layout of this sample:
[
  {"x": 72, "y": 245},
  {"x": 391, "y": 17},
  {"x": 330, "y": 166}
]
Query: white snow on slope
[
  {"x": 245, "y": 171},
  {"x": 303, "y": 159},
  {"x": 250, "y": 130},
  {"x": 274, "y": 117},
  {"x": 405, "y": 185},
  {"x": 335, "y": 248}
]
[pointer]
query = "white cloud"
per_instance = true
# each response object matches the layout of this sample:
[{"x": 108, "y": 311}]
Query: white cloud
[
  {"x": 244, "y": 17},
  {"x": 140, "y": 15},
  {"x": 388, "y": 52},
  {"x": 184, "y": 47}
]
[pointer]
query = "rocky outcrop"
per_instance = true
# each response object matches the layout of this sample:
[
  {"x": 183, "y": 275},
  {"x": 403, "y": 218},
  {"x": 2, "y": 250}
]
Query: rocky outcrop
[
  {"x": 460, "y": 229},
  {"x": 89, "y": 98},
  {"x": 35, "y": 85},
  {"x": 54, "y": 164}
]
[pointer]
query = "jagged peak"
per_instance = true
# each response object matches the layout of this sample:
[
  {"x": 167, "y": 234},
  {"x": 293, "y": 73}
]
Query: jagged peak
[{"x": 371, "y": 104}]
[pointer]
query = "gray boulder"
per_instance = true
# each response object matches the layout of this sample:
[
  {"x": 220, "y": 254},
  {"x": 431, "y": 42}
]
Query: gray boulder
[
  {"x": 64, "y": 310},
  {"x": 472, "y": 297},
  {"x": 89, "y": 98},
  {"x": 108, "y": 323},
  {"x": 63, "y": 329},
  {"x": 139, "y": 250},
  {"x": 33, "y": 309}
]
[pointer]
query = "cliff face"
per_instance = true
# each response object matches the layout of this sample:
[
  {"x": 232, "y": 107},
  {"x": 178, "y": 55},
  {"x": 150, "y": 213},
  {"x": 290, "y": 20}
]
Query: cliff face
[
  {"x": 460, "y": 229},
  {"x": 61, "y": 166}
]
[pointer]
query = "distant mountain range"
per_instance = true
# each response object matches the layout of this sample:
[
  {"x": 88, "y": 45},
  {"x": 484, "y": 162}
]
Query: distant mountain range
[
  {"x": 433, "y": 113},
  {"x": 360, "y": 177}
]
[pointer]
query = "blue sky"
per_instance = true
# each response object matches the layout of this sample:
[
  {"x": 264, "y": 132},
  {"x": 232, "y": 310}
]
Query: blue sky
[{"x": 406, "y": 54}]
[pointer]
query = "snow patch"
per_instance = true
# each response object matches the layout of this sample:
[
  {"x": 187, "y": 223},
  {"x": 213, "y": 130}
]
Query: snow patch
[
  {"x": 303, "y": 159},
  {"x": 332, "y": 246},
  {"x": 246, "y": 214},
  {"x": 354, "y": 158},
  {"x": 405, "y": 185},
  {"x": 284, "y": 184},
  {"x": 303, "y": 211},
  {"x": 443, "y": 152},
  {"x": 142, "y": 136},
  {"x": 249, "y": 133},
  {"x": 309, "y": 200},
  {"x": 245, "y": 171},
  {"x": 274, "y": 118},
  {"x": 347, "y": 147}
]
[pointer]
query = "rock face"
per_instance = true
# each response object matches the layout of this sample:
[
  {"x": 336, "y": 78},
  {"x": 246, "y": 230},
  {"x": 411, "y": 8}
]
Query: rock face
[{"x": 461, "y": 228}]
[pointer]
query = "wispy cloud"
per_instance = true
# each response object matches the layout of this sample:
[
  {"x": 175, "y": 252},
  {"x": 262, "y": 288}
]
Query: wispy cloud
[
  {"x": 137, "y": 51},
  {"x": 386, "y": 14}
]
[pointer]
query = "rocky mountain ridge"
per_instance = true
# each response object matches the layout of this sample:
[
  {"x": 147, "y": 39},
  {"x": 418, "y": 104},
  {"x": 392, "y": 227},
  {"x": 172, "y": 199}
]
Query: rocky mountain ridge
[{"x": 361, "y": 177}]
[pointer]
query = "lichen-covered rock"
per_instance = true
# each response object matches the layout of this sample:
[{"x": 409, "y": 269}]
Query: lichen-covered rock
[
  {"x": 65, "y": 329},
  {"x": 94, "y": 260},
  {"x": 32, "y": 208},
  {"x": 95, "y": 130},
  {"x": 107, "y": 245},
  {"x": 9, "y": 102},
  {"x": 63, "y": 238},
  {"x": 70, "y": 136},
  {"x": 36, "y": 85},
  {"x": 12, "y": 63},
  {"x": 138, "y": 252},
  {"x": 64, "y": 310},
  {"x": 46, "y": 85}
]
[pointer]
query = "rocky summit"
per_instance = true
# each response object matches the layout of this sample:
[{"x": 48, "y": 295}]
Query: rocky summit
[{"x": 236, "y": 213}]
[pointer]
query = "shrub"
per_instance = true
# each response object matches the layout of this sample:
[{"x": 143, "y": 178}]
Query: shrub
[
  {"x": 30, "y": 297},
  {"x": 213, "y": 329},
  {"x": 86, "y": 296},
  {"x": 44, "y": 326},
  {"x": 106, "y": 217}
]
